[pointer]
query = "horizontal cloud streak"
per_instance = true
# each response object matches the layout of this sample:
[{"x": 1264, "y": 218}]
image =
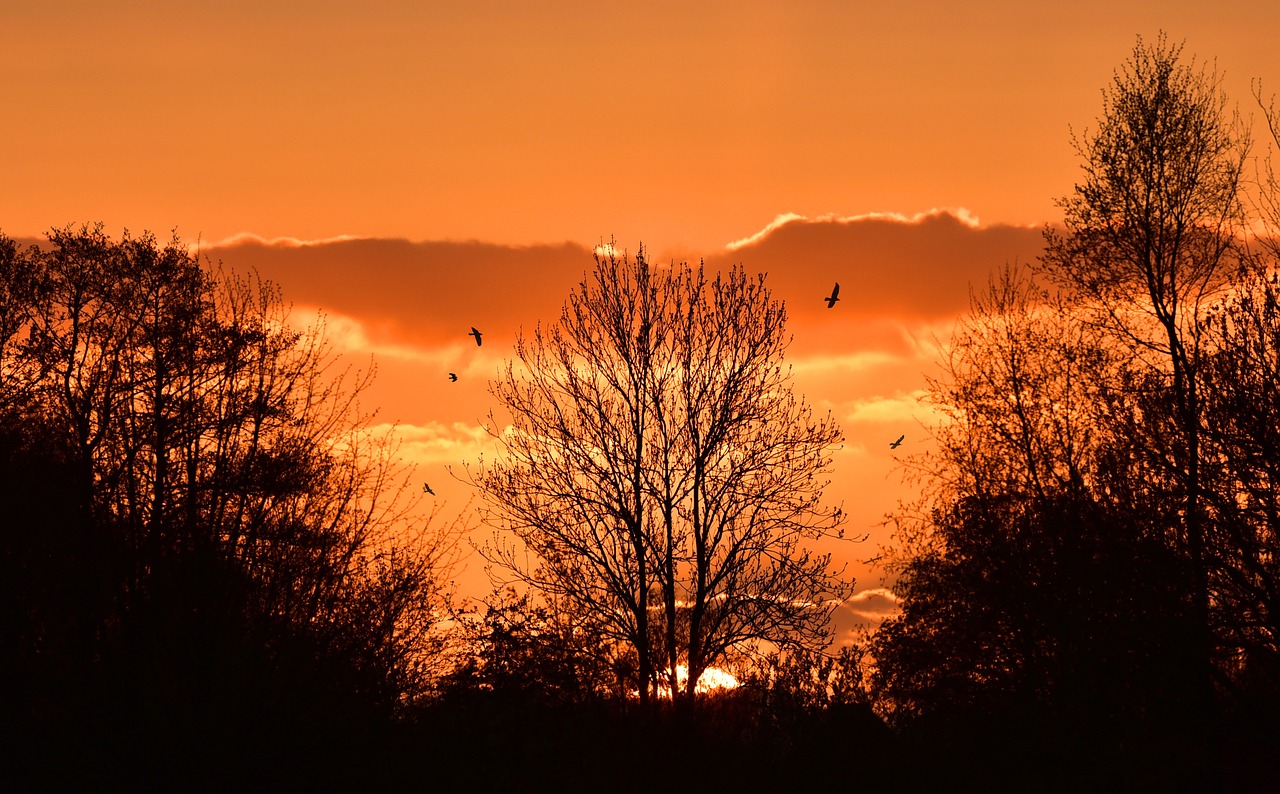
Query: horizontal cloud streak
[
  {"x": 411, "y": 306},
  {"x": 420, "y": 293},
  {"x": 960, "y": 213},
  {"x": 249, "y": 238},
  {"x": 897, "y": 408},
  {"x": 913, "y": 269},
  {"x": 891, "y": 268},
  {"x": 437, "y": 443}
]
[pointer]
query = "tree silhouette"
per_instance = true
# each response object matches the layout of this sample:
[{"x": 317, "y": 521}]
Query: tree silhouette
[
  {"x": 1241, "y": 462},
  {"x": 1152, "y": 235},
  {"x": 1090, "y": 570},
  {"x": 658, "y": 473},
  {"x": 207, "y": 544},
  {"x": 1041, "y": 603}
]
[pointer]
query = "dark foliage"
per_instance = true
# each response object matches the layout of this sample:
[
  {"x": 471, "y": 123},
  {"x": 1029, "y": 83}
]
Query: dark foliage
[
  {"x": 1089, "y": 592},
  {"x": 199, "y": 578},
  {"x": 744, "y": 739}
]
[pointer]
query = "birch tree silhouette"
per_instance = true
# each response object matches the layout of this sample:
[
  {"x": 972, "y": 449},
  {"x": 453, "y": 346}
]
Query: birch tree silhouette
[
  {"x": 1093, "y": 567},
  {"x": 1152, "y": 236}
]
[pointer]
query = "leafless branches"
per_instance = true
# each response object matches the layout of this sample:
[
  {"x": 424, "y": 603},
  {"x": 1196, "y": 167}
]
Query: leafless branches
[{"x": 658, "y": 472}]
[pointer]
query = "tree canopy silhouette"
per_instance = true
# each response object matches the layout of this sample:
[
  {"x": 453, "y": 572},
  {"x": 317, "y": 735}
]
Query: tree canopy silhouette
[
  {"x": 1092, "y": 565},
  {"x": 202, "y": 544},
  {"x": 1153, "y": 234},
  {"x": 659, "y": 475}
]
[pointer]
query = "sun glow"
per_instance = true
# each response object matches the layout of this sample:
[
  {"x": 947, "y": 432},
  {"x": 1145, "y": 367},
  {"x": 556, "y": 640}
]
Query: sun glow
[{"x": 711, "y": 680}]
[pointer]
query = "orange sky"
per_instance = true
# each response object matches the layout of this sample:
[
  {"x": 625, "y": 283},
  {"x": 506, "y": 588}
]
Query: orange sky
[
  {"x": 690, "y": 123},
  {"x": 903, "y": 282},
  {"x": 534, "y": 130}
]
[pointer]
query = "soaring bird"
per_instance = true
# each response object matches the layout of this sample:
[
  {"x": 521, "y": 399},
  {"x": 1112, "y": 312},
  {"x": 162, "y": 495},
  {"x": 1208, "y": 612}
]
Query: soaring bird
[
  {"x": 427, "y": 489},
  {"x": 897, "y": 443},
  {"x": 452, "y": 377},
  {"x": 476, "y": 334},
  {"x": 835, "y": 296}
]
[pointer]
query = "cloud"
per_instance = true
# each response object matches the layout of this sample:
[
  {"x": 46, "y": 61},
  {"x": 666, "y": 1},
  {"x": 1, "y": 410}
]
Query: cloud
[
  {"x": 778, "y": 222},
  {"x": 856, "y": 361},
  {"x": 350, "y": 335},
  {"x": 249, "y": 238},
  {"x": 435, "y": 443},
  {"x": 873, "y": 596},
  {"x": 915, "y": 269},
  {"x": 419, "y": 293},
  {"x": 871, "y": 605},
  {"x": 895, "y": 409},
  {"x": 897, "y": 273},
  {"x": 782, "y": 219}
]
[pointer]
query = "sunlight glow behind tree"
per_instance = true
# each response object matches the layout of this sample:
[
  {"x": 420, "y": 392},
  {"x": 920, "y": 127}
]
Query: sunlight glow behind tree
[{"x": 659, "y": 474}]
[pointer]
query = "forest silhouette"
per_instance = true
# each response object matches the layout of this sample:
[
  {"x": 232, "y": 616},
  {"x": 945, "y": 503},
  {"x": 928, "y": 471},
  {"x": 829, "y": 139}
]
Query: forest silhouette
[{"x": 213, "y": 572}]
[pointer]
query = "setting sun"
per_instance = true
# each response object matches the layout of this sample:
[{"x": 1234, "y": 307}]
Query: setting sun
[{"x": 711, "y": 680}]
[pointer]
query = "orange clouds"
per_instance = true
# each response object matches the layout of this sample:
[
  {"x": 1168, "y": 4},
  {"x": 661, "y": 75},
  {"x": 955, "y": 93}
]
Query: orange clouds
[
  {"x": 911, "y": 269},
  {"x": 427, "y": 293},
  {"x": 893, "y": 272},
  {"x": 410, "y": 305}
]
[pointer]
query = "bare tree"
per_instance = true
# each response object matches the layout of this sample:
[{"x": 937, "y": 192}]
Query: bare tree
[
  {"x": 659, "y": 473},
  {"x": 1266, "y": 202}
]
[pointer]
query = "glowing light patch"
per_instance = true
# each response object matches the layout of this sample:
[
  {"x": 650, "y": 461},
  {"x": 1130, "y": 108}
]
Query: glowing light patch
[
  {"x": 712, "y": 679},
  {"x": 436, "y": 443},
  {"x": 899, "y": 408},
  {"x": 279, "y": 242},
  {"x": 961, "y": 214}
]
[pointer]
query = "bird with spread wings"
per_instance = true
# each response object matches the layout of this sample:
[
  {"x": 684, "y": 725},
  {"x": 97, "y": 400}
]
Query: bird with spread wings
[{"x": 835, "y": 296}]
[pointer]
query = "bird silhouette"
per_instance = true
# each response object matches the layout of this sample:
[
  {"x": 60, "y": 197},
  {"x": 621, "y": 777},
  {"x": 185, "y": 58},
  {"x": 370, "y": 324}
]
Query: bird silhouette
[
  {"x": 898, "y": 443},
  {"x": 476, "y": 334},
  {"x": 427, "y": 489},
  {"x": 835, "y": 296},
  {"x": 452, "y": 377}
]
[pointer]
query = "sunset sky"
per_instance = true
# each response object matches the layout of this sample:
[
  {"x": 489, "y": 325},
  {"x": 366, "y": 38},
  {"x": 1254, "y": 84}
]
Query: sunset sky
[{"x": 417, "y": 168}]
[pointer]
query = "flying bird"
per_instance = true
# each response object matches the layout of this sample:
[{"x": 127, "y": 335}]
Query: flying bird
[
  {"x": 427, "y": 489},
  {"x": 476, "y": 334},
  {"x": 835, "y": 296},
  {"x": 897, "y": 443},
  {"x": 452, "y": 377}
]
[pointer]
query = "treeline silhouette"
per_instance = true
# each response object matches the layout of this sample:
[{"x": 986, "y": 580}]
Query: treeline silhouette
[
  {"x": 210, "y": 575},
  {"x": 203, "y": 567},
  {"x": 1089, "y": 580}
]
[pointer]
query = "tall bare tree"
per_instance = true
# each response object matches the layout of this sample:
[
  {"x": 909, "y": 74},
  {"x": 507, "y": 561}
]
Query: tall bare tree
[{"x": 659, "y": 473}]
